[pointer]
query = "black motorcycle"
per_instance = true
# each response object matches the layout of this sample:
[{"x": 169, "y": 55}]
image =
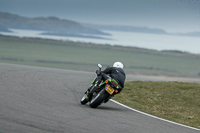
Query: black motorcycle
[{"x": 98, "y": 94}]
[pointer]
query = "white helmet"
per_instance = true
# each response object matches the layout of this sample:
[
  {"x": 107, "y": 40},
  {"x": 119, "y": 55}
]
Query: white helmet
[{"x": 118, "y": 64}]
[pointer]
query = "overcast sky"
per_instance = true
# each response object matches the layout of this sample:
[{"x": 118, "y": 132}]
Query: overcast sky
[{"x": 170, "y": 15}]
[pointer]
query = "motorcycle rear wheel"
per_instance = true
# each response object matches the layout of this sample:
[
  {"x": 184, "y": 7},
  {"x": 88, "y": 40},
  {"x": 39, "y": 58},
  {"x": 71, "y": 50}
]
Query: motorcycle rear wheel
[{"x": 100, "y": 97}]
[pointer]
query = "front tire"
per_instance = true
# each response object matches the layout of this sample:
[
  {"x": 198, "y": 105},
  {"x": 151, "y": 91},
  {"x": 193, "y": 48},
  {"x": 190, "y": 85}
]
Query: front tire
[
  {"x": 100, "y": 97},
  {"x": 84, "y": 99}
]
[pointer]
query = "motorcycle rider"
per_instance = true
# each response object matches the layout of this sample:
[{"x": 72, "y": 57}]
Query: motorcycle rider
[{"x": 116, "y": 72}]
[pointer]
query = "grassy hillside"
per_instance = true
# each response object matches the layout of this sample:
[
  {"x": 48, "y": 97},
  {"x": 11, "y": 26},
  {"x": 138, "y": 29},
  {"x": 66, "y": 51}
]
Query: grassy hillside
[
  {"x": 175, "y": 101},
  {"x": 85, "y": 56}
]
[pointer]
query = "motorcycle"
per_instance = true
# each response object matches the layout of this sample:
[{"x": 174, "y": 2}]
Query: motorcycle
[{"x": 101, "y": 93}]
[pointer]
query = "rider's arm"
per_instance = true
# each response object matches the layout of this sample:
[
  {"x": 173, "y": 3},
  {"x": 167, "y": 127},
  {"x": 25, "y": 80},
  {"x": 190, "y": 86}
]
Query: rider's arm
[{"x": 107, "y": 70}]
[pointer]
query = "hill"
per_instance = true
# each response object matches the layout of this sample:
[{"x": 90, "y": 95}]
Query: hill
[
  {"x": 138, "y": 29},
  {"x": 63, "y": 27},
  {"x": 4, "y": 29},
  {"x": 51, "y": 25},
  {"x": 127, "y": 28}
]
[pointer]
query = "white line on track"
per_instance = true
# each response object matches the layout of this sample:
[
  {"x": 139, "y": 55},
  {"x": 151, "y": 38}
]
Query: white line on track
[{"x": 153, "y": 116}]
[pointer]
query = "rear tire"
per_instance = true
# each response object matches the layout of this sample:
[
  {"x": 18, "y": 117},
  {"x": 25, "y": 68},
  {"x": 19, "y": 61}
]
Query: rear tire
[
  {"x": 84, "y": 99},
  {"x": 100, "y": 97}
]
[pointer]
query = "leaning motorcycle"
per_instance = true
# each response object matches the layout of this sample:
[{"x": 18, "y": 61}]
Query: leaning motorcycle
[{"x": 101, "y": 93}]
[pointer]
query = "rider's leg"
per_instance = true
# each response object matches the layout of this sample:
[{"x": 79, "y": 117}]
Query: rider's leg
[
  {"x": 96, "y": 83},
  {"x": 101, "y": 77},
  {"x": 98, "y": 80},
  {"x": 105, "y": 76}
]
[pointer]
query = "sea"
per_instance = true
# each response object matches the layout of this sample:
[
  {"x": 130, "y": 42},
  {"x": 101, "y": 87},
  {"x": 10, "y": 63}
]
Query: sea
[{"x": 149, "y": 41}]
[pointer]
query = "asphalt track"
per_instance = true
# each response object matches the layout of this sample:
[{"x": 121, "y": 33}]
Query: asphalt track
[{"x": 44, "y": 100}]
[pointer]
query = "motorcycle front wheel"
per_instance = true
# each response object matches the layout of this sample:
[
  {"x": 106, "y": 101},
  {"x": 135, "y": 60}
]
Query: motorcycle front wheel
[{"x": 84, "y": 99}]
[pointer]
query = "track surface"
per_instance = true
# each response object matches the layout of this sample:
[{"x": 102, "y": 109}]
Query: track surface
[{"x": 44, "y": 100}]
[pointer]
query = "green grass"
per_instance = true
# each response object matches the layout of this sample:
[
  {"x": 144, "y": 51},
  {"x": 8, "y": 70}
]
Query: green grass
[
  {"x": 85, "y": 56},
  {"x": 175, "y": 101}
]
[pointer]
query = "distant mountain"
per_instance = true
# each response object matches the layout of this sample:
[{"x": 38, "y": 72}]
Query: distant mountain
[
  {"x": 192, "y": 34},
  {"x": 138, "y": 29},
  {"x": 127, "y": 28},
  {"x": 51, "y": 25},
  {"x": 64, "y": 27},
  {"x": 4, "y": 29}
]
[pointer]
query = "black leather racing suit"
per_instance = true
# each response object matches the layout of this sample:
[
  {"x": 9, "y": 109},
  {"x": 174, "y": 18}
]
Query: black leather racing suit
[{"x": 117, "y": 74}]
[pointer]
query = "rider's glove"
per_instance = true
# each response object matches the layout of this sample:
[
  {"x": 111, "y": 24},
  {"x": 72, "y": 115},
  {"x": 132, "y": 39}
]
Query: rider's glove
[{"x": 98, "y": 72}]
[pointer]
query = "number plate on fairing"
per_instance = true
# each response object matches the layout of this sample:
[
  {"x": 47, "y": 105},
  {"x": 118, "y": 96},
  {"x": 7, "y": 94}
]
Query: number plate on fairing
[{"x": 109, "y": 89}]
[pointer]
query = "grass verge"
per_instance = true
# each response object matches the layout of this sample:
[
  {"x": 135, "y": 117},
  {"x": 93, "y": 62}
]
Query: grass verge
[{"x": 175, "y": 101}]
